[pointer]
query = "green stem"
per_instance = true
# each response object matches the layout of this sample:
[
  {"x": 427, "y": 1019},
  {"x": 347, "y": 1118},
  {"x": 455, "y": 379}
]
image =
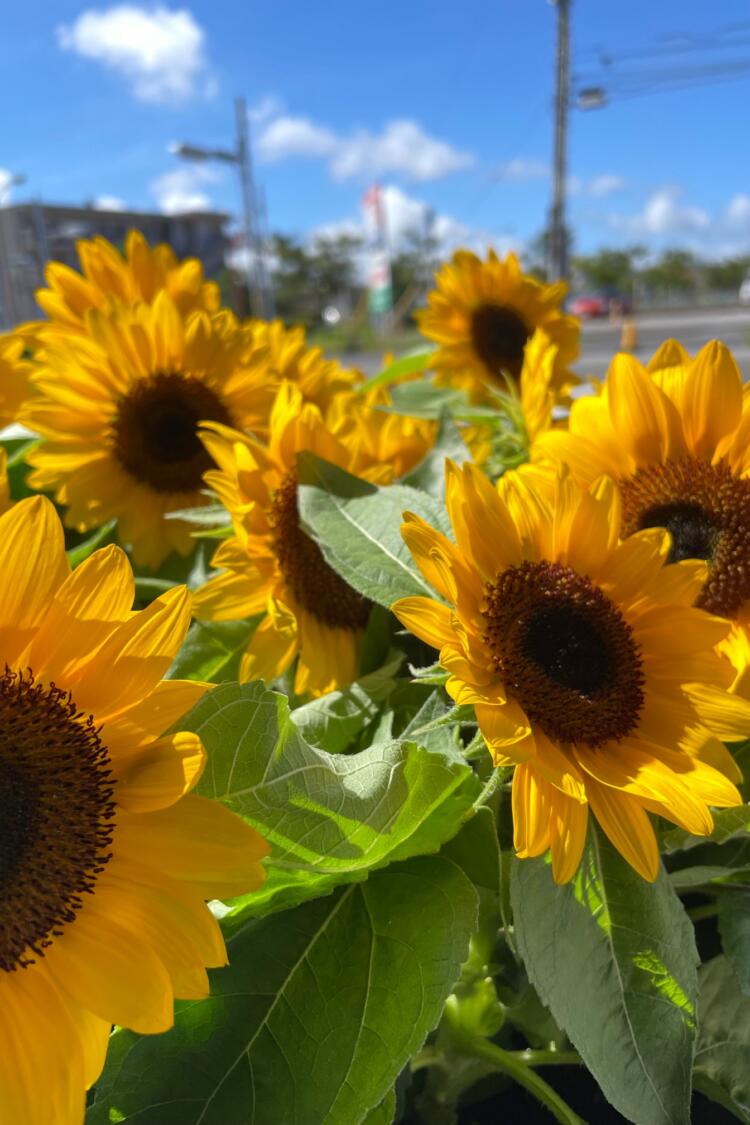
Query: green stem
[
  {"x": 455, "y": 715},
  {"x": 547, "y": 1058},
  {"x": 509, "y": 1062},
  {"x": 496, "y": 778}
]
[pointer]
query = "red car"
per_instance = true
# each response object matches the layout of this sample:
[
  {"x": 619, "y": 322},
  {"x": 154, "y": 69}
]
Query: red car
[{"x": 589, "y": 307}]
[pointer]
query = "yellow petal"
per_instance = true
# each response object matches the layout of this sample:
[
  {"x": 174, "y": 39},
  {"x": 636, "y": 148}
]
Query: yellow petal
[
  {"x": 426, "y": 619},
  {"x": 162, "y": 773},
  {"x": 643, "y": 417},
  {"x": 727, "y": 716},
  {"x": 197, "y": 841},
  {"x": 712, "y": 399},
  {"x": 567, "y": 835},
  {"x": 627, "y": 826},
  {"x": 273, "y": 645},
  {"x": 532, "y": 811},
  {"x": 32, "y": 562},
  {"x": 113, "y": 972}
]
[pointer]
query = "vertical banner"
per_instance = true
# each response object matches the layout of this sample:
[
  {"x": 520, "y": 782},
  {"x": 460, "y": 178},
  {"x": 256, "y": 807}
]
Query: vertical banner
[{"x": 379, "y": 282}]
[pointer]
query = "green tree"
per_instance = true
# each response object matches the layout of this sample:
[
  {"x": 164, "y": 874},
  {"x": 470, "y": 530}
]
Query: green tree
[
  {"x": 610, "y": 269},
  {"x": 677, "y": 271}
]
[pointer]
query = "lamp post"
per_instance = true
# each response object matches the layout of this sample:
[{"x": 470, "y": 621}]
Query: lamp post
[
  {"x": 261, "y": 301},
  {"x": 9, "y": 304}
]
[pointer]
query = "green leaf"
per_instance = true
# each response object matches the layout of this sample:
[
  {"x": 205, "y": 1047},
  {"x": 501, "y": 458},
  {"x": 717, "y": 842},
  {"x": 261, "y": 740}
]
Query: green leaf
[
  {"x": 146, "y": 589},
  {"x": 330, "y": 819},
  {"x": 614, "y": 959},
  {"x": 734, "y": 927},
  {"x": 399, "y": 369},
  {"x": 687, "y": 878},
  {"x": 429, "y": 475},
  {"x": 100, "y": 538},
  {"x": 727, "y": 823},
  {"x": 477, "y": 852},
  {"x": 17, "y": 450},
  {"x": 210, "y": 515},
  {"x": 384, "y": 1113},
  {"x": 212, "y": 651},
  {"x": 423, "y": 728},
  {"x": 332, "y": 722},
  {"x": 722, "y": 1057},
  {"x": 357, "y": 527},
  {"x": 422, "y": 399},
  {"x": 315, "y": 1017}
]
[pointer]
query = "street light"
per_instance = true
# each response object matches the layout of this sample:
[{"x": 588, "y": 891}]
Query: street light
[
  {"x": 591, "y": 97},
  {"x": 260, "y": 296}
]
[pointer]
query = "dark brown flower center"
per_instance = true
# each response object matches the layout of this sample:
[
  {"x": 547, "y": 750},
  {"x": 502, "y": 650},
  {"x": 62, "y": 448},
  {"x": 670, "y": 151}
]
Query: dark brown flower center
[
  {"x": 315, "y": 585},
  {"x": 499, "y": 336},
  {"x": 56, "y": 814},
  {"x": 155, "y": 433},
  {"x": 564, "y": 652},
  {"x": 706, "y": 509}
]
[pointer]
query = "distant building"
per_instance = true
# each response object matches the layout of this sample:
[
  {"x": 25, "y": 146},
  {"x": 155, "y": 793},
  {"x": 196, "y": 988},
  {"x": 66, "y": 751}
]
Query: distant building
[{"x": 33, "y": 233}]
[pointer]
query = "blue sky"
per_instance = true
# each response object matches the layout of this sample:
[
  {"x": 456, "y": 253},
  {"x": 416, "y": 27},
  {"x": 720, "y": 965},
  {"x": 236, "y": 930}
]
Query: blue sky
[{"x": 447, "y": 105}]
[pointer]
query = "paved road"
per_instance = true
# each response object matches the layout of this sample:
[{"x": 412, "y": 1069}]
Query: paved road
[{"x": 599, "y": 339}]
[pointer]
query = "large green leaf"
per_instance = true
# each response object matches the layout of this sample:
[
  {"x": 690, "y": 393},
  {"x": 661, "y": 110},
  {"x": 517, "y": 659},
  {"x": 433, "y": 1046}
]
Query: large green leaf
[
  {"x": 614, "y": 959},
  {"x": 722, "y": 1058},
  {"x": 332, "y": 722},
  {"x": 734, "y": 927},
  {"x": 357, "y": 527},
  {"x": 429, "y": 475},
  {"x": 329, "y": 818},
  {"x": 315, "y": 1017}
]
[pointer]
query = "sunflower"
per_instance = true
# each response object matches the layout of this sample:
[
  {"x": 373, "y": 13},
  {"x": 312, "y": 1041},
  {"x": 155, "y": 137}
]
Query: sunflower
[
  {"x": 289, "y": 358},
  {"x": 272, "y": 565},
  {"x": 675, "y": 438},
  {"x": 119, "y": 409},
  {"x": 117, "y": 926},
  {"x": 109, "y": 278},
  {"x": 483, "y": 315},
  {"x": 14, "y": 378},
  {"x": 523, "y": 413},
  {"x": 575, "y": 650}
]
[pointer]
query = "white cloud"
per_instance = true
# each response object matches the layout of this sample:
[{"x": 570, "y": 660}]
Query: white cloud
[
  {"x": 266, "y": 109},
  {"x": 159, "y": 51},
  {"x": 523, "y": 171},
  {"x": 520, "y": 171},
  {"x": 663, "y": 214},
  {"x": 6, "y": 185},
  {"x": 738, "y": 212},
  {"x": 602, "y": 186},
  {"x": 109, "y": 203},
  {"x": 401, "y": 148},
  {"x": 182, "y": 190},
  {"x": 294, "y": 136}
]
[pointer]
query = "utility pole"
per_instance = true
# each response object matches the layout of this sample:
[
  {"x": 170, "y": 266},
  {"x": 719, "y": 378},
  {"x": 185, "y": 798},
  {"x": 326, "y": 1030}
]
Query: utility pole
[
  {"x": 558, "y": 233},
  {"x": 255, "y": 278},
  {"x": 261, "y": 301}
]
